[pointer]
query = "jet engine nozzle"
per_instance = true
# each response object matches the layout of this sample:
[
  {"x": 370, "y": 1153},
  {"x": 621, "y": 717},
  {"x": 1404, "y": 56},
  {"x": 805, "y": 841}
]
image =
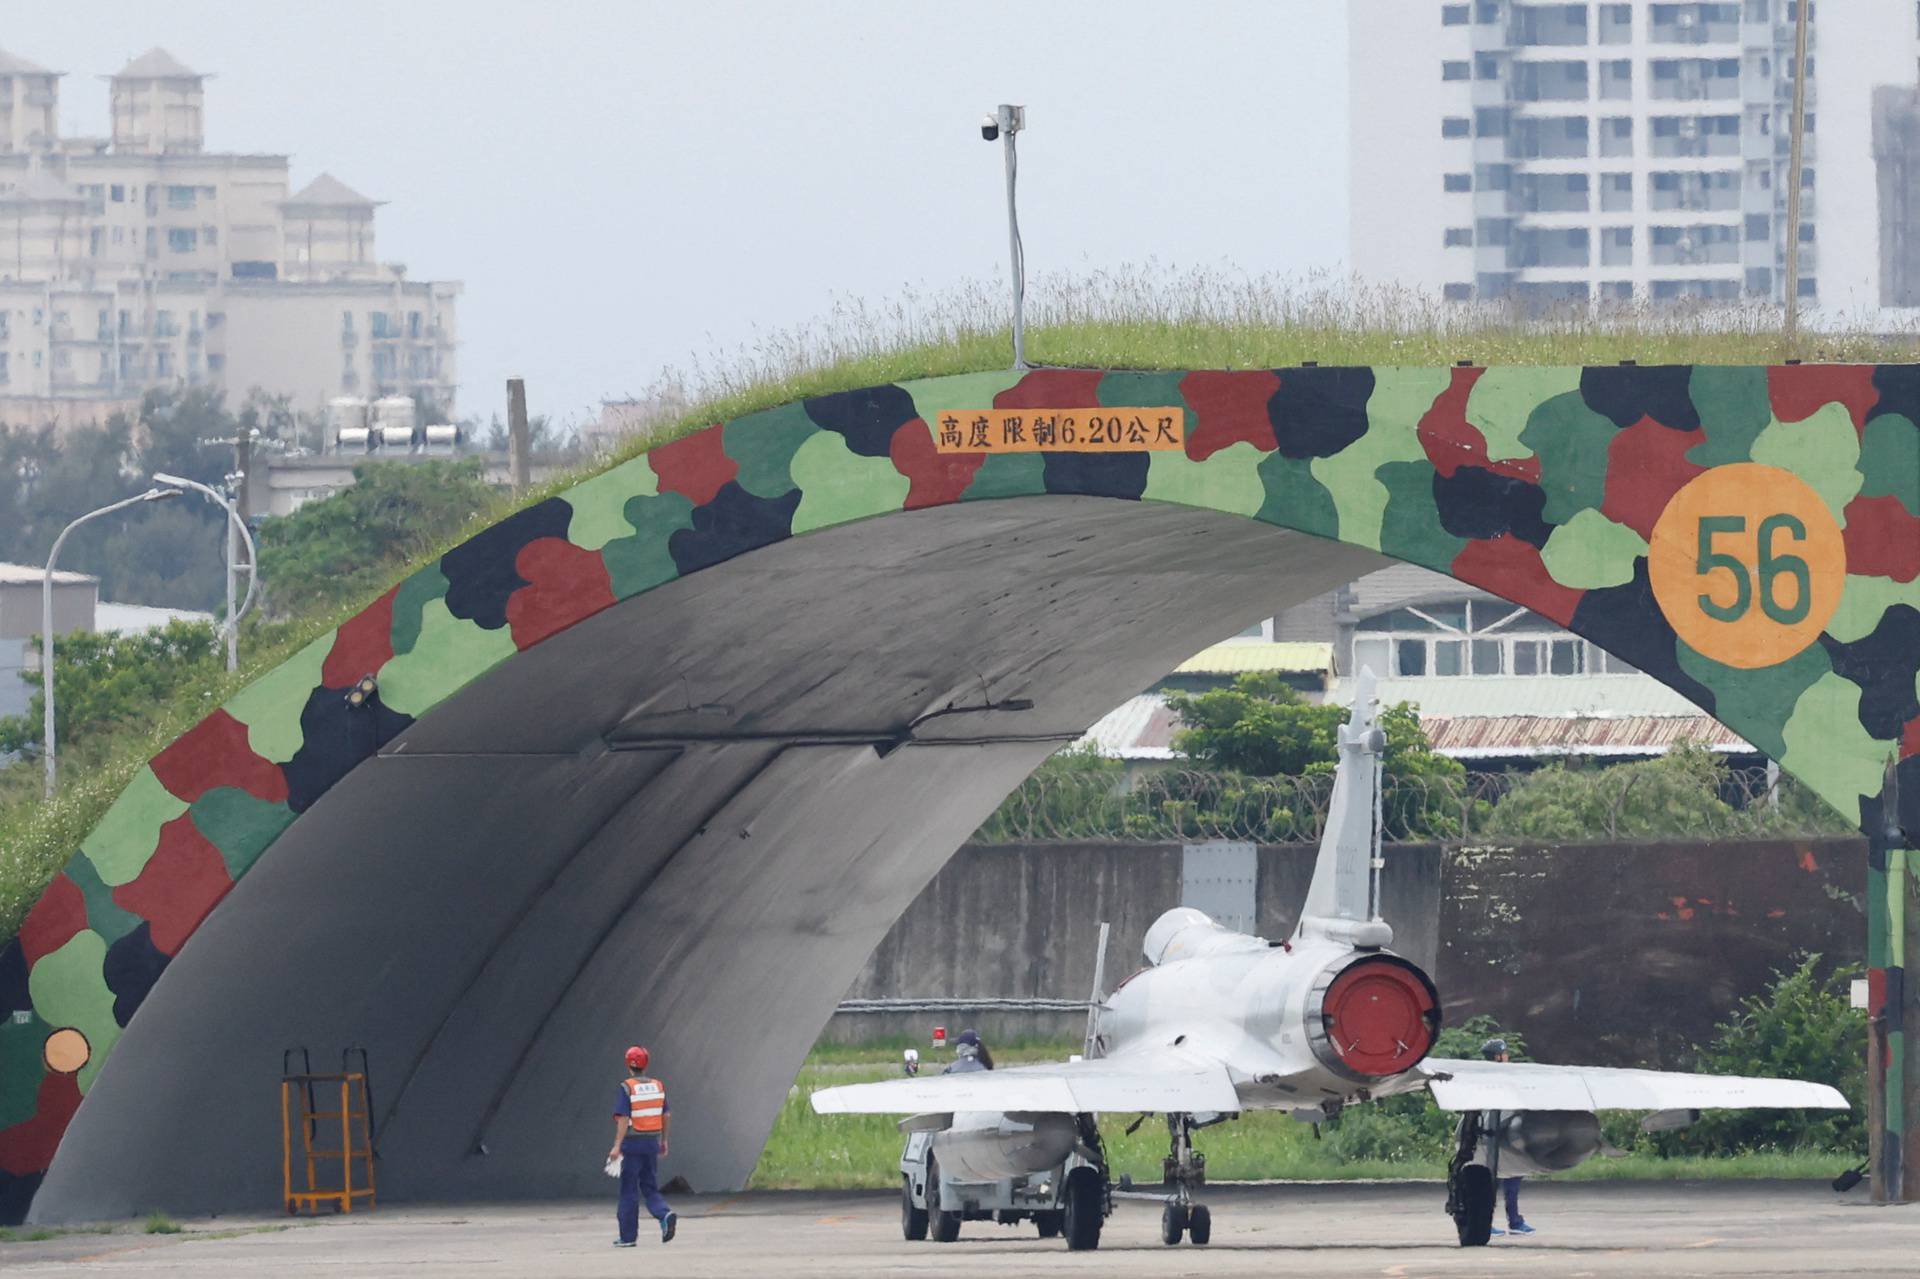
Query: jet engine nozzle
[{"x": 1374, "y": 1017}]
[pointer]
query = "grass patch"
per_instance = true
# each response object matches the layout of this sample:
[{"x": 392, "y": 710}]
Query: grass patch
[
  {"x": 1150, "y": 317},
  {"x": 40, "y": 1234},
  {"x": 160, "y": 1223},
  {"x": 845, "y": 1152}
]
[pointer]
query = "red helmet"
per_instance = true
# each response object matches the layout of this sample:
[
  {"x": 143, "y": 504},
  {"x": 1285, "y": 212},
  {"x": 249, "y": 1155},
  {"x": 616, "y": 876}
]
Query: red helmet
[{"x": 638, "y": 1057}]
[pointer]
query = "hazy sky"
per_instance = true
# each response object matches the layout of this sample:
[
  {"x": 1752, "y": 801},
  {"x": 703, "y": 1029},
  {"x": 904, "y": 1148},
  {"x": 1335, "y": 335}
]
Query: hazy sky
[{"x": 621, "y": 185}]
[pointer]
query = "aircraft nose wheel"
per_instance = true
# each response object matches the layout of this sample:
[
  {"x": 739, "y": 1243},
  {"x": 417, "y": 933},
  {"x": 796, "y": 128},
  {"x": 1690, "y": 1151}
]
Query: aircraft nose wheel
[
  {"x": 1173, "y": 1223},
  {"x": 1199, "y": 1224}
]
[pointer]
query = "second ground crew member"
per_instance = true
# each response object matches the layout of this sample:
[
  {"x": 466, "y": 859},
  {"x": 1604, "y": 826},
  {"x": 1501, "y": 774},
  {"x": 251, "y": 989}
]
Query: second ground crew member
[{"x": 640, "y": 1122}]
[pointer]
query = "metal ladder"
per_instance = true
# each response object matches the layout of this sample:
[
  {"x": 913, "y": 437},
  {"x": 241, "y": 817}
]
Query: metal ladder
[{"x": 302, "y": 1093}]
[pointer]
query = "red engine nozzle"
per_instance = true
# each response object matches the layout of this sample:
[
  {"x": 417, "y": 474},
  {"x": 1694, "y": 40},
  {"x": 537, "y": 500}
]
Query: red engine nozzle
[{"x": 1380, "y": 1016}]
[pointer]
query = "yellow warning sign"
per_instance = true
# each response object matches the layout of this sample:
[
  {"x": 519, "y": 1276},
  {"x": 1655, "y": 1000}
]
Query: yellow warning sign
[{"x": 1098, "y": 430}]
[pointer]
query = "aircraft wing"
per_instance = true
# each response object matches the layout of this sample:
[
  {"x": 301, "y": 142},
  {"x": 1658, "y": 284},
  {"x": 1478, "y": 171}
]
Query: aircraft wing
[
  {"x": 1523, "y": 1085},
  {"x": 1159, "y": 1081}
]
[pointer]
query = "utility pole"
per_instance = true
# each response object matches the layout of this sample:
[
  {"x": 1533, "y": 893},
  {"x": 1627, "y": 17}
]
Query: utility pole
[
  {"x": 1005, "y": 123},
  {"x": 1799, "y": 129},
  {"x": 518, "y": 465}
]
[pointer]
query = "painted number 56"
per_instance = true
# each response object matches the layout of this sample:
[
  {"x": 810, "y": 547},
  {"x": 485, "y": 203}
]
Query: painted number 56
[{"x": 1772, "y": 567}]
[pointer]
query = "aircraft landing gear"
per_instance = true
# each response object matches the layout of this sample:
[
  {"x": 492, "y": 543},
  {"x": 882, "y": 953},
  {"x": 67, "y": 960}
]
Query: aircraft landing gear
[
  {"x": 1185, "y": 1170},
  {"x": 1470, "y": 1186}
]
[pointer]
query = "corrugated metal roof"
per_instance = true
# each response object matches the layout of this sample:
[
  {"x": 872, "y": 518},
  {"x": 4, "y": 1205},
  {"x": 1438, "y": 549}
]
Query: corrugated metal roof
[
  {"x": 1240, "y": 657},
  {"x": 1597, "y": 715},
  {"x": 1489, "y": 736},
  {"x": 1139, "y": 728}
]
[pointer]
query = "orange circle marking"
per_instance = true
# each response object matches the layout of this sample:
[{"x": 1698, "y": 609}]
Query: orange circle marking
[
  {"x": 66, "y": 1051},
  {"x": 1747, "y": 564}
]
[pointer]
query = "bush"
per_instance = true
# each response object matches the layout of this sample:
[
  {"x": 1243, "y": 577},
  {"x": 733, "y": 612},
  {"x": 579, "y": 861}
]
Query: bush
[
  {"x": 1411, "y": 1127},
  {"x": 1802, "y": 1027}
]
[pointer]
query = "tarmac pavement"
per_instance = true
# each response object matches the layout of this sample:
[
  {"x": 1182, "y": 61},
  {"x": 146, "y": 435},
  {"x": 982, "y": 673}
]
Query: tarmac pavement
[{"x": 1296, "y": 1230}]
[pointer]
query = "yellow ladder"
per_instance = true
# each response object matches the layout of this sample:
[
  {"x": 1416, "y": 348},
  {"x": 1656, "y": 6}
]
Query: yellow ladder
[{"x": 302, "y": 1094}]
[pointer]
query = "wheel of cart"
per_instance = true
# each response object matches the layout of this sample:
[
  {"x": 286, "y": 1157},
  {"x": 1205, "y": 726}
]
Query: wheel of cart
[
  {"x": 1049, "y": 1224},
  {"x": 943, "y": 1222},
  {"x": 913, "y": 1221}
]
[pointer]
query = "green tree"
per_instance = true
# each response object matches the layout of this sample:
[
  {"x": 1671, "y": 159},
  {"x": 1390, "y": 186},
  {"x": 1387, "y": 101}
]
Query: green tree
[
  {"x": 1262, "y": 727},
  {"x": 350, "y": 544},
  {"x": 105, "y": 682}
]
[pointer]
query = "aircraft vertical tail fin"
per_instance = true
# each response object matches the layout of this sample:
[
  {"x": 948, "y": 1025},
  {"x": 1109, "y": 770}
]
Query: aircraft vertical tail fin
[
  {"x": 1098, "y": 1002},
  {"x": 1343, "y": 898}
]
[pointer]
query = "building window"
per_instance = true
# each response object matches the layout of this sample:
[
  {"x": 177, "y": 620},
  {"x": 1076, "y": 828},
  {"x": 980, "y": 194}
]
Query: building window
[
  {"x": 1459, "y": 237},
  {"x": 6, "y": 374},
  {"x": 181, "y": 240},
  {"x": 346, "y": 321},
  {"x": 1453, "y": 15},
  {"x": 1616, "y": 136},
  {"x": 1616, "y": 246},
  {"x": 181, "y": 197},
  {"x": 163, "y": 363},
  {"x": 210, "y": 236},
  {"x": 1456, "y": 182},
  {"x": 1456, "y": 292},
  {"x": 377, "y": 323},
  {"x": 1454, "y": 126},
  {"x": 216, "y": 363},
  {"x": 1616, "y": 290},
  {"x": 1453, "y": 70},
  {"x": 413, "y": 324},
  {"x": 1759, "y": 227},
  {"x": 1474, "y": 637},
  {"x": 1616, "y": 193},
  {"x": 1616, "y": 79},
  {"x": 1486, "y": 67},
  {"x": 1616, "y": 23},
  {"x": 118, "y": 193}
]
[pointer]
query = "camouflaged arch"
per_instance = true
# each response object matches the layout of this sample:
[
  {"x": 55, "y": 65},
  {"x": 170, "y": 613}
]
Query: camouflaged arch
[{"x": 1539, "y": 484}]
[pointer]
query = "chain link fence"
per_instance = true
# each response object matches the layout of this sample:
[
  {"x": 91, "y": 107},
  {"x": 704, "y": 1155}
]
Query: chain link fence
[{"x": 1606, "y": 804}]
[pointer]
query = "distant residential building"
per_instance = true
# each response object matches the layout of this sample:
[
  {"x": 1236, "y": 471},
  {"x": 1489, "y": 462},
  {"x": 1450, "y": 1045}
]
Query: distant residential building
[
  {"x": 143, "y": 261},
  {"x": 1552, "y": 153},
  {"x": 1496, "y": 685},
  {"x": 77, "y": 606}
]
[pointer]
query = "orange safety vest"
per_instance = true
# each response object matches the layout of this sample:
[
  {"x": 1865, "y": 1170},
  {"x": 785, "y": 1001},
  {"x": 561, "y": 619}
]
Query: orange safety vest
[{"x": 646, "y": 1106}]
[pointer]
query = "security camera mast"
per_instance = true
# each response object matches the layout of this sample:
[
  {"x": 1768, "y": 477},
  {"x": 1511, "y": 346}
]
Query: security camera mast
[{"x": 1221, "y": 1022}]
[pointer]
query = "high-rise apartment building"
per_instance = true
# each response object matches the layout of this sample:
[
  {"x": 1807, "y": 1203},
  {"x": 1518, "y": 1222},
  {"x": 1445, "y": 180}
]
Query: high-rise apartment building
[
  {"x": 144, "y": 260},
  {"x": 1553, "y": 153}
]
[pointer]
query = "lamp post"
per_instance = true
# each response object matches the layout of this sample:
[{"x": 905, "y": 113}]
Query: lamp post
[
  {"x": 1006, "y": 122},
  {"x": 46, "y": 613},
  {"x": 235, "y": 525}
]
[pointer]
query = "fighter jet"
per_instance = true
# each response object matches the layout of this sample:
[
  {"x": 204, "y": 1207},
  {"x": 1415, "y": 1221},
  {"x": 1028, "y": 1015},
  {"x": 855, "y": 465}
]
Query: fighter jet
[{"x": 1220, "y": 1023}]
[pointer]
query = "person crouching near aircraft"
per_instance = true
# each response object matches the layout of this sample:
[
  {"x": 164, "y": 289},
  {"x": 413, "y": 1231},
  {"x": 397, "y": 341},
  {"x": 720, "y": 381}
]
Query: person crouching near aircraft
[
  {"x": 969, "y": 1054},
  {"x": 1496, "y": 1050},
  {"x": 640, "y": 1122}
]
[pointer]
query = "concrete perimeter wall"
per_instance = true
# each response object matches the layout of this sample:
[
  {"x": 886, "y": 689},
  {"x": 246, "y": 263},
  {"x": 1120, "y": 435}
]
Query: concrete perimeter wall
[{"x": 1613, "y": 954}]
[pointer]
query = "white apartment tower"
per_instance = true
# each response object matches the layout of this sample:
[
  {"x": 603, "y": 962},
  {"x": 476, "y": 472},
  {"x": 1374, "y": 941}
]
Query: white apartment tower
[
  {"x": 1554, "y": 153},
  {"x": 145, "y": 261}
]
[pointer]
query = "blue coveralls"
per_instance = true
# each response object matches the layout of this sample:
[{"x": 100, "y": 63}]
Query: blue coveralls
[
  {"x": 1512, "y": 1187},
  {"x": 639, "y": 1176}
]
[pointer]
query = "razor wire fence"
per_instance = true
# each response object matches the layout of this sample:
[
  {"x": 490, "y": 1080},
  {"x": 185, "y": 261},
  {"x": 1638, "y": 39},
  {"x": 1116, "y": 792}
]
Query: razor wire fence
[{"x": 1642, "y": 800}]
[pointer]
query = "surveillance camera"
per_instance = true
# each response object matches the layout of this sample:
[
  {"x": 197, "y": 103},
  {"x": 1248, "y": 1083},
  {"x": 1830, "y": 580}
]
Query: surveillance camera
[{"x": 989, "y": 127}]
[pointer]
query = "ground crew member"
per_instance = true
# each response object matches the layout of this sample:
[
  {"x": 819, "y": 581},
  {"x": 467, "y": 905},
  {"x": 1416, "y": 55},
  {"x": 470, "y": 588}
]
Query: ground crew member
[
  {"x": 1496, "y": 1050},
  {"x": 969, "y": 1054},
  {"x": 640, "y": 1122}
]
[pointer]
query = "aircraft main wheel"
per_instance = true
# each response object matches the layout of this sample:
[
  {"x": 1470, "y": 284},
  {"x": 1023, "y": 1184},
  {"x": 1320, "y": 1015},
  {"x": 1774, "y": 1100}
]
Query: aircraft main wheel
[
  {"x": 1085, "y": 1212},
  {"x": 944, "y": 1224},
  {"x": 1473, "y": 1194},
  {"x": 913, "y": 1221},
  {"x": 1199, "y": 1224},
  {"x": 1049, "y": 1224},
  {"x": 1173, "y": 1223}
]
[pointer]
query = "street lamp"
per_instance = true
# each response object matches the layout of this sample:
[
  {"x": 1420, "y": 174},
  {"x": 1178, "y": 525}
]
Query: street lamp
[
  {"x": 234, "y": 525},
  {"x": 1004, "y": 124},
  {"x": 46, "y": 611}
]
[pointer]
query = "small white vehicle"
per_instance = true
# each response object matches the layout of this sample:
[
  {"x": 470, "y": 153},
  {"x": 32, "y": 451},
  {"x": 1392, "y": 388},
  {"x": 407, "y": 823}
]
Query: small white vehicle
[{"x": 1049, "y": 1169}]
